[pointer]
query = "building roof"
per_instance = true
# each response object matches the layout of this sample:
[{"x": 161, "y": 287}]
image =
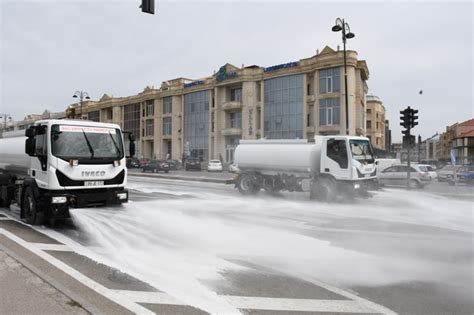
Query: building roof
[
  {"x": 469, "y": 122},
  {"x": 469, "y": 134}
]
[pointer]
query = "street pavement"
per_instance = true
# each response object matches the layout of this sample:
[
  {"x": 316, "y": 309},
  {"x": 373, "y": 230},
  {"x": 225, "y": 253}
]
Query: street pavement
[{"x": 389, "y": 257}]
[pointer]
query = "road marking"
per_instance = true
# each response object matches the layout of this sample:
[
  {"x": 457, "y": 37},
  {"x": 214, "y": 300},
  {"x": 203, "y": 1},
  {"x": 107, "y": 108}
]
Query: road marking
[
  {"x": 53, "y": 247},
  {"x": 111, "y": 295},
  {"x": 258, "y": 303},
  {"x": 5, "y": 219}
]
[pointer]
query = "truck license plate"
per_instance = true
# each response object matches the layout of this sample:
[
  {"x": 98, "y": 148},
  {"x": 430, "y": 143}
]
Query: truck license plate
[{"x": 94, "y": 183}]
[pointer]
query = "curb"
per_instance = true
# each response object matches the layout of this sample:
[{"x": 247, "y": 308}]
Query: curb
[{"x": 192, "y": 179}]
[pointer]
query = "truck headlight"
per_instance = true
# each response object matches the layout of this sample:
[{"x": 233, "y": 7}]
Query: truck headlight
[
  {"x": 356, "y": 186},
  {"x": 60, "y": 199},
  {"x": 122, "y": 196}
]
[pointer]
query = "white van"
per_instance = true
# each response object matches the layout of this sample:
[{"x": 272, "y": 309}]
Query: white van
[{"x": 381, "y": 164}]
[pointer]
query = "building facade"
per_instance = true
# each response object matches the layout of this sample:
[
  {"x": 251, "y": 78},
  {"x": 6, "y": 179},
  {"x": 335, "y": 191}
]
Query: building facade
[
  {"x": 206, "y": 118},
  {"x": 460, "y": 137},
  {"x": 376, "y": 123}
]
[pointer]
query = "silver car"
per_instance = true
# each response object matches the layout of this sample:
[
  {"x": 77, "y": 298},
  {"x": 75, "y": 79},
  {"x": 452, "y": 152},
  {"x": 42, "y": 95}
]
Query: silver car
[{"x": 396, "y": 175}]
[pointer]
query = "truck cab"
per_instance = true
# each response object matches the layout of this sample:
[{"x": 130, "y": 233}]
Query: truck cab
[{"x": 68, "y": 164}]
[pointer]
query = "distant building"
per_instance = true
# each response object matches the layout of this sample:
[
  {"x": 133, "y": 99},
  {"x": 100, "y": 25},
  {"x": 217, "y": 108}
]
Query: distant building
[
  {"x": 29, "y": 120},
  {"x": 376, "y": 123},
  {"x": 460, "y": 137}
]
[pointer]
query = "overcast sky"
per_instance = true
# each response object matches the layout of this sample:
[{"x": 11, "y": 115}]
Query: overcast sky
[{"x": 50, "y": 49}]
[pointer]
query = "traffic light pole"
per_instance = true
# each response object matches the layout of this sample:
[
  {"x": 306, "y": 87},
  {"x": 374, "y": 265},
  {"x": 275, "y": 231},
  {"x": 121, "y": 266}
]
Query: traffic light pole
[{"x": 408, "y": 158}]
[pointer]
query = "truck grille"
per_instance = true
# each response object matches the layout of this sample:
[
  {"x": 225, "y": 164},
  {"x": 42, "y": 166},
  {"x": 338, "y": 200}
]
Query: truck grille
[{"x": 66, "y": 181}]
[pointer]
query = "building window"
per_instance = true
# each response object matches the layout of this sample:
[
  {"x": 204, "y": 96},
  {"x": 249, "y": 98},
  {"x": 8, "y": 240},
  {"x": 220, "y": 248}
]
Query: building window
[
  {"x": 109, "y": 114},
  {"x": 369, "y": 111},
  {"x": 94, "y": 116},
  {"x": 283, "y": 107},
  {"x": 378, "y": 125},
  {"x": 196, "y": 124},
  {"x": 369, "y": 124},
  {"x": 149, "y": 128},
  {"x": 329, "y": 111},
  {"x": 362, "y": 116},
  {"x": 150, "y": 108},
  {"x": 167, "y": 126},
  {"x": 236, "y": 95},
  {"x": 235, "y": 120},
  {"x": 329, "y": 80},
  {"x": 131, "y": 119},
  {"x": 167, "y": 105}
]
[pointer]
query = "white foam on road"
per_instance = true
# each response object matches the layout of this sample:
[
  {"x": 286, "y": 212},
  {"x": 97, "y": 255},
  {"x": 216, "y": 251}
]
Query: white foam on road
[{"x": 176, "y": 245}]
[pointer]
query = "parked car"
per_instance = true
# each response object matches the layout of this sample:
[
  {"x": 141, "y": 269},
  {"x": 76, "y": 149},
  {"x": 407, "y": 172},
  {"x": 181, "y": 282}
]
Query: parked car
[
  {"x": 133, "y": 163},
  {"x": 233, "y": 168},
  {"x": 445, "y": 171},
  {"x": 430, "y": 169},
  {"x": 174, "y": 164},
  {"x": 192, "y": 164},
  {"x": 397, "y": 176},
  {"x": 156, "y": 166},
  {"x": 214, "y": 166},
  {"x": 464, "y": 175},
  {"x": 144, "y": 162}
]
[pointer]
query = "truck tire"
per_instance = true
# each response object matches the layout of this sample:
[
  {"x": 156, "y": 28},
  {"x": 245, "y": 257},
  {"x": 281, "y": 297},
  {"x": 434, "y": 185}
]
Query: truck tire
[
  {"x": 32, "y": 214},
  {"x": 323, "y": 189},
  {"x": 247, "y": 185}
]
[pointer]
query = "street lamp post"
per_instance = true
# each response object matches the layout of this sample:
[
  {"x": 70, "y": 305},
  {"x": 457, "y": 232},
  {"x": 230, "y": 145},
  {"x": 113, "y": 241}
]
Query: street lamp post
[
  {"x": 82, "y": 95},
  {"x": 341, "y": 25}
]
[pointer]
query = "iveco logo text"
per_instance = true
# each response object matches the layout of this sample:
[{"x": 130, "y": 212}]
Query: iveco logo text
[{"x": 93, "y": 173}]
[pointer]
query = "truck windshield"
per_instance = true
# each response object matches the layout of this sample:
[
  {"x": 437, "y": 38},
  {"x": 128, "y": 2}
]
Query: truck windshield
[
  {"x": 86, "y": 143},
  {"x": 361, "y": 151}
]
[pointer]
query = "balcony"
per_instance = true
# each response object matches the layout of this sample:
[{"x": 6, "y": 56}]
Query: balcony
[
  {"x": 232, "y": 132},
  {"x": 232, "y": 105}
]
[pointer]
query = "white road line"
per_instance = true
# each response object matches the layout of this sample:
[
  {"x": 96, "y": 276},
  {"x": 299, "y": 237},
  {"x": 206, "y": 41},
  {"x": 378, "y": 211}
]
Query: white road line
[
  {"x": 4, "y": 219},
  {"x": 55, "y": 247},
  {"x": 258, "y": 303},
  {"x": 132, "y": 306}
]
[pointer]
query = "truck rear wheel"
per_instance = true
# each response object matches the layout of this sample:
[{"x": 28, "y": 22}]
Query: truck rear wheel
[
  {"x": 32, "y": 214},
  {"x": 247, "y": 185}
]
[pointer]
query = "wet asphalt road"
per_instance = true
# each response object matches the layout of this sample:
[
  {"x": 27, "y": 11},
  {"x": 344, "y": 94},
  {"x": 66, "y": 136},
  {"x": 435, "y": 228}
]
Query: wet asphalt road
[{"x": 423, "y": 266}]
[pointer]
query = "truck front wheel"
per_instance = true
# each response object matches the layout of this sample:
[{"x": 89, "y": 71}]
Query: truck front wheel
[
  {"x": 247, "y": 185},
  {"x": 32, "y": 214},
  {"x": 323, "y": 189}
]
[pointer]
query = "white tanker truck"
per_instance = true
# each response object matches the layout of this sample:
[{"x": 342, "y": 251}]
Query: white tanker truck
[
  {"x": 330, "y": 167},
  {"x": 58, "y": 164}
]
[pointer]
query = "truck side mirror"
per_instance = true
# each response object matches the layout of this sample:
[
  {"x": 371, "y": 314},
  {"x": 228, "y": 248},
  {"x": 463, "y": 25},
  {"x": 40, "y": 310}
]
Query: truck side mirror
[
  {"x": 30, "y": 146},
  {"x": 30, "y": 132},
  {"x": 131, "y": 149}
]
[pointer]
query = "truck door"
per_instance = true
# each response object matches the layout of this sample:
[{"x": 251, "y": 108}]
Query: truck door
[
  {"x": 39, "y": 163},
  {"x": 335, "y": 159}
]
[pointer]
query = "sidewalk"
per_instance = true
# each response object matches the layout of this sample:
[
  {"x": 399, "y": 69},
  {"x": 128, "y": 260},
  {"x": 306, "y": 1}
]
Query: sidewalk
[
  {"x": 199, "y": 176},
  {"x": 23, "y": 292}
]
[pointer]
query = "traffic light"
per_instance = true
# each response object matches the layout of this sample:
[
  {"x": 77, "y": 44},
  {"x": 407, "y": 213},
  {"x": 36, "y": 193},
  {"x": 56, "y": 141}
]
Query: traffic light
[
  {"x": 413, "y": 117},
  {"x": 148, "y": 6},
  {"x": 405, "y": 118}
]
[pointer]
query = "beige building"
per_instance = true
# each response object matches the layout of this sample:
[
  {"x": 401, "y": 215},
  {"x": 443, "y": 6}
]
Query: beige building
[
  {"x": 207, "y": 117},
  {"x": 375, "y": 116}
]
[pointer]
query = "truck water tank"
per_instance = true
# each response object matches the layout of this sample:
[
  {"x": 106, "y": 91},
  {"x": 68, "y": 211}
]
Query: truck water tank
[
  {"x": 12, "y": 152},
  {"x": 276, "y": 155}
]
